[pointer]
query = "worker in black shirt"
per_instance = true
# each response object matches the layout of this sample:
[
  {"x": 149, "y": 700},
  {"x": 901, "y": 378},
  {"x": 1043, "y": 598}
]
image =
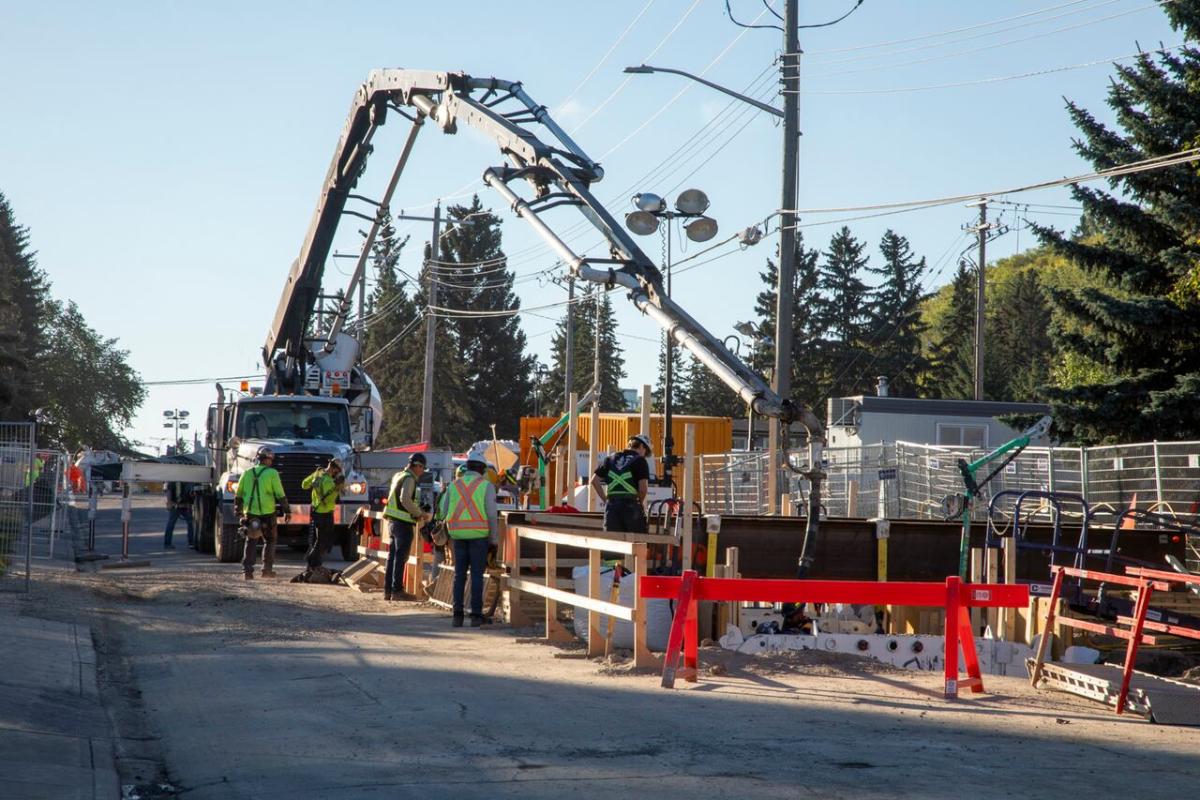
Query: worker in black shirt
[{"x": 622, "y": 482}]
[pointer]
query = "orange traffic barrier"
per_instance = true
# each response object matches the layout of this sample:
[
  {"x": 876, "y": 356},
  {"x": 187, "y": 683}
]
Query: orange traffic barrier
[{"x": 953, "y": 595}]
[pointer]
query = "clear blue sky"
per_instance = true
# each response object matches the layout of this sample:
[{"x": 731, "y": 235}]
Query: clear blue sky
[{"x": 166, "y": 157}]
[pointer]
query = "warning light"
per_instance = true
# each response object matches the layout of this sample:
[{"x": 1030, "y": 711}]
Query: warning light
[
  {"x": 245, "y": 386},
  {"x": 1175, "y": 539}
]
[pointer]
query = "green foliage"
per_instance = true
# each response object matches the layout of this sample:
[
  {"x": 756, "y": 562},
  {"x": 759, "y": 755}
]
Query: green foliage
[
  {"x": 1140, "y": 325},
  {"x": 612, "y": 362},
  {"x": 952, "y": 355},
  {"x": 805, "y": 325},
  {"x": 706, "y": 395},
  {"x": 53, "y": 360},
  {"x": 678, "y": 380},
  {"x": 844, "y": 318},
  {"x": 896, "y": 324}
]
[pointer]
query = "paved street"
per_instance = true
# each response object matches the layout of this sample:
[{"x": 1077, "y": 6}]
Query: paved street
[{"x": 222, "y": 689}]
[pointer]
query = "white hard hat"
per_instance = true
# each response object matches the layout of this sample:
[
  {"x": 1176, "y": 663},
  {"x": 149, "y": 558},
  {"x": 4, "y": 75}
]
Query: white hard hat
[{"x": 477, "y": 456}]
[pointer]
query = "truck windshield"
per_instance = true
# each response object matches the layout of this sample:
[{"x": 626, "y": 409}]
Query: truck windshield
[{"x": 293, "y": 421}]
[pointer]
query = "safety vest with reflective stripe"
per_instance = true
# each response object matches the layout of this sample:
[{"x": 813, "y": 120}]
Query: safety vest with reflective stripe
[
  {"x": 620, "y": 484},
  {"x": 393, "y": 508},
  {"x": 466, "y": 507}
]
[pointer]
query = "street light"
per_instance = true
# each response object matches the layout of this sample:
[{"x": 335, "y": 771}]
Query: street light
[
  {"x": 789, "y": 73},
  {"x": 651, "y": 210},
  {"x": 177, "y": 419}
]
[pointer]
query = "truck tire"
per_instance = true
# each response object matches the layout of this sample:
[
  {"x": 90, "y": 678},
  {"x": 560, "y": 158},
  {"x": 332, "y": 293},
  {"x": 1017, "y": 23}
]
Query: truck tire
[
  {"x": 202, "y": 518},
  {"x": 227, "y": 543},
  {"x": 349, "y": 543}
]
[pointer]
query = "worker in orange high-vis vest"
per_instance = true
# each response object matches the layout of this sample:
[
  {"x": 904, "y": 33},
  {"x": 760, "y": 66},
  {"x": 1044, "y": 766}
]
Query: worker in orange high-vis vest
[{"x": 468, "y": 507}]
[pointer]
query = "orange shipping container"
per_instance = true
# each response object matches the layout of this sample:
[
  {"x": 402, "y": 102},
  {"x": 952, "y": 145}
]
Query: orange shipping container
[{"x": 713, "y": 435}]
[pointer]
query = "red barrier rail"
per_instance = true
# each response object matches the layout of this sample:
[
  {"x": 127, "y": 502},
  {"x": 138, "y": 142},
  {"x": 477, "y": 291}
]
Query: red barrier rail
[{"x": 954, "y": 596}]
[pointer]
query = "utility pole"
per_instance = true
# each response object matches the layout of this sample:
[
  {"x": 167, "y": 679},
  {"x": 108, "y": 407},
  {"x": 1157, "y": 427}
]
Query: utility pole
[
  {"x": 569, "y": 356},
  {"x": 782, "y": 380},
  {"x": 980, "y": 287},
  {"x": 596, "y": 349},
  {"x": 430, "y": 329}
]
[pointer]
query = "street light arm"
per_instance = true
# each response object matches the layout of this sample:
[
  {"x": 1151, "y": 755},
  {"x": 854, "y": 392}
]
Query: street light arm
[{"x": 645, "y": 69}]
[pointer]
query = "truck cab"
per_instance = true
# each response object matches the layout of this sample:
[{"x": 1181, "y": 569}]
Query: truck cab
[{"x": 305, "y": 431}]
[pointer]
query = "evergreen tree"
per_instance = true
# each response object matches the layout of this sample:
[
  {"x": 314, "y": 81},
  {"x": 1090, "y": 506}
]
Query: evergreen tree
[
  {"x": 806, "y": 327},
  {"x": 1142, "y": 328},
  {"x": 489, "y": 342},
  {"x": 952, "y": 357},
  {"x": 896, "y": 323},
  {"x": 1018, "y": 349},
  {"x": 844, "y": 316},
  {"x": 24, "y": 310},
  {"x": 678, "y": 380},
  {"x": 706, "y": 394},
  {"x": 612, "y": 362},
  {"x": 393, "y": 344}
]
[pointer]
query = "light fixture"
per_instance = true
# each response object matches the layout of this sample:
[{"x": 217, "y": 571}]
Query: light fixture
[
  {"x": 746, "y": 328},
  {"x": 692, "y": 201},
  {"x": 168, "y": 413},
  {"x": 648, "y": 201},
  {"x": 643, "y": 223},
  {"x": 701, "y": 229},
  {"x": 185, "y": 413}
]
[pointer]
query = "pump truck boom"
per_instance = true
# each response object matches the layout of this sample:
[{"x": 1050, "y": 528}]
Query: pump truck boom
[{"x": 559, "y": 173}]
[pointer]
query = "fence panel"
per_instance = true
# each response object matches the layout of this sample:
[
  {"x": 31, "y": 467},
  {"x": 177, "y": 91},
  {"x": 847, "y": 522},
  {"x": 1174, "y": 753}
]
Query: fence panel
[{"x": 18, "y": 477}]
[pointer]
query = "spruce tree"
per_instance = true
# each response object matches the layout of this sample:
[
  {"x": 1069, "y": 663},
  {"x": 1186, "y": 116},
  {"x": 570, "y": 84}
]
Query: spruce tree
[
  {"x": 612, "y": 362},
  {"x": 679, "y": 379},
  {"x": 806, "y": 327},
  {"x": 952, "y": 357},
  {"x": 896, "y": 325},
  {"x": 844, "y": 316},
  {"x": 1143, "y": 327},
  {"x": 1018, "y": 348},
  {"x": 489, "y": 342},
  {"x": 707, "y": 395},
  {"x": 24, "y": 311}
]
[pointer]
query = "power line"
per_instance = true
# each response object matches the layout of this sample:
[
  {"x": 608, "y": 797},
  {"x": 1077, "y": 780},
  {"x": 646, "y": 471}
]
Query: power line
[
  {"x": 1000, "y": 79},
  {"x": 196, "y": 381},
  {"x": 972, "y": 51},
  {"x": 404, "y": 332},
  {"x": 607, "y": 53}
]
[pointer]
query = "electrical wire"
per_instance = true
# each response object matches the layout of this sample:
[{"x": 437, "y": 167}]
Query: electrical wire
[
  {"x": 972, "y": 51},
  {"x": 999, "y": 79},
  {"x": 625, "y": 82},
  {"x": 604, "y": 58},
  {"x": 197, "y": 381},
  {"x": 404, "y": 332}
]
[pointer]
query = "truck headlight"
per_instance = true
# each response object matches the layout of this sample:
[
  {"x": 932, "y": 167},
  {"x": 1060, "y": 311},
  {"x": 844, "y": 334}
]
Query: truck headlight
[
  {"x": 357, "y": 487},
  {"x": 231, "y": 485}
]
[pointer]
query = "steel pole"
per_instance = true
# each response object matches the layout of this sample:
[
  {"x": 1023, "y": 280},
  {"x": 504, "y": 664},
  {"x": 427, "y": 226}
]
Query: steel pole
[
  {"x": 430, "y": 329},
  {"x": 781, "y": 383},
  {"x": 668, "y": 375},
  {"x": 569, "y": 347},
  {"x": 29, "y": 527}
]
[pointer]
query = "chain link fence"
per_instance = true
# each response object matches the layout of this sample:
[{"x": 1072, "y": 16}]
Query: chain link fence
[
  {"x": 909, "y": 481},
  {"x": 17, "y": 467}
]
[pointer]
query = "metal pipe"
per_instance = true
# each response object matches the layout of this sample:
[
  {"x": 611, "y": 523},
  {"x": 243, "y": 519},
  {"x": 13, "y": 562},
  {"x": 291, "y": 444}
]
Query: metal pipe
[{"x": 356, "y": 278}]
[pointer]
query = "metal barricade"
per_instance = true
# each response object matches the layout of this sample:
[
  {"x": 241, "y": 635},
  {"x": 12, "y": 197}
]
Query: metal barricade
[{"x": 18, "y": 479}]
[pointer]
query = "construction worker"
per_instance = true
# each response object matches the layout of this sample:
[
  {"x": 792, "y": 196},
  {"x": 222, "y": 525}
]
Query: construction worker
[
  {"x": 621, "y": 483},
  {"x": 260, "y": 492},
  {"x": 325, "y": 485},
  {"x": 469, "y": 508},
  {"x": 403, "y": 513},
  {"x": 179, "y": 504}
]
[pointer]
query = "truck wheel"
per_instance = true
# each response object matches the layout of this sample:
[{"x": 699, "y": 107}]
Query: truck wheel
[
  {"x": 202, "y": 518},
  {"x": 349, "y": 540},
  {"x": 227, "y": 543}
]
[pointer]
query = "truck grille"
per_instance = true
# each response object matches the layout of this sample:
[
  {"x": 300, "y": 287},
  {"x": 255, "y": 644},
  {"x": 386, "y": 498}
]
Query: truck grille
[{"x": 295, "y": 467}]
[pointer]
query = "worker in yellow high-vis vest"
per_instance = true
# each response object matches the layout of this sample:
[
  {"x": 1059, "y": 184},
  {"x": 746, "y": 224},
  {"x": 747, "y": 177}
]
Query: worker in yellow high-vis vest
[
  {"x": 468, "y": 507},
  {"x": 403, "y": 514}
]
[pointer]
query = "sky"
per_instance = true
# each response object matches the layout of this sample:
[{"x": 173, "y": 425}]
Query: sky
[{"x": 166, "y": 157}]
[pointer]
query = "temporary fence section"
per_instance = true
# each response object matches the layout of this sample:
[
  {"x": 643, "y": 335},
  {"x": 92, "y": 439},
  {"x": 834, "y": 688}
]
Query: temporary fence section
[
  {"x": 633, "y": 547},
  {"x": 954, "y": 596},
  {"x": 17, "y": 503}
]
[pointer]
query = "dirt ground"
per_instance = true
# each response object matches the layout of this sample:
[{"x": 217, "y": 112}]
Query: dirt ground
[{"x": 220, "y": 688}]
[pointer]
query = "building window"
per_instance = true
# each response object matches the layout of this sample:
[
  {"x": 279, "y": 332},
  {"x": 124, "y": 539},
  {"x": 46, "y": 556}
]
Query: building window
[{"x": 962, "y": 435}]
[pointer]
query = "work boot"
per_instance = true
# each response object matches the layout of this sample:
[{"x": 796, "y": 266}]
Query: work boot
[
  {"x": 457, "y": 622},
  {"x": 387, "y": 597},
  {"x": 476, "y": 620},
  {"x": 248, "y": 576},
  {"x": 268, "y": 573},
  {"x": 405, "y": 596}
]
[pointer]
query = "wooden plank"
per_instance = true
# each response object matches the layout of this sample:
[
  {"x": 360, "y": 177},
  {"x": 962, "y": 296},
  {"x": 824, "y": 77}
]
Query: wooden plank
[
  {"x": 689, "y": 457},
  {"x": 642, "y": 657},
  {"x": 594, "y": 641},
  {"x": 556, "y": 596},
  {"x": 551, "y": 538},
  {"x": 1009, "y": 615}
]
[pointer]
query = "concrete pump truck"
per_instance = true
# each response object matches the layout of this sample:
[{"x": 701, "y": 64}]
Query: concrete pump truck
[{"x": 318, "y": 402}]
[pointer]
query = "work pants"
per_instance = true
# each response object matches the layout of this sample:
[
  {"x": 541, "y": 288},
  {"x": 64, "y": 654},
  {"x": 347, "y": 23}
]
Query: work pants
[
  {"x": 469, "y": 554},
  {"x": 401, "y": 534},
  {"x": 320, "y": 537},
  {"x": 173, "y": 517},
  {"x": 269, "y": 539},
  {"x": 624, "y": 514}
]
